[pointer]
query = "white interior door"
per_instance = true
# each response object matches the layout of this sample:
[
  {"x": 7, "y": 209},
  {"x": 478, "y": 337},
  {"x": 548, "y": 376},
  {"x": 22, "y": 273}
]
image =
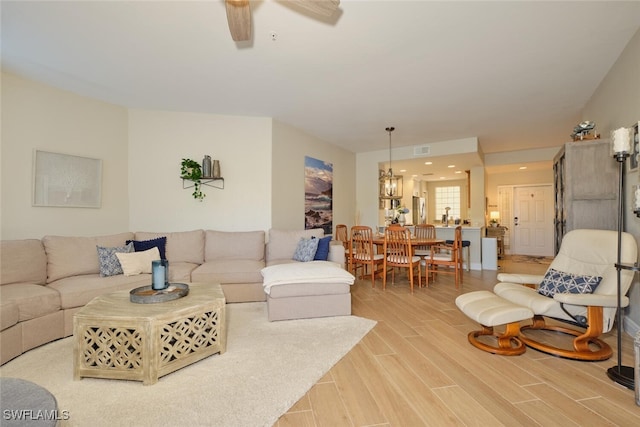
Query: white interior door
[{"x": 533, "y": 220}]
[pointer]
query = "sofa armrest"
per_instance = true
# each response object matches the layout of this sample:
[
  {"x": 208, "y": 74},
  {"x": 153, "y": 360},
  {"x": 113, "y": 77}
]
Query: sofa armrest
[{"x": 336, "y": 253}]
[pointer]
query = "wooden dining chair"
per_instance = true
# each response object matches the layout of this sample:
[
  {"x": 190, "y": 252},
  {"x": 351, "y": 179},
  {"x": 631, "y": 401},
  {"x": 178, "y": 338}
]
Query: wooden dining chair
[
  {"x": 342, "y": 235},
  {"x": 362, "y": 253},
  {"x": 424, "y": 231},
  {"x": 446, "y": 255},
  {"x": 399, "y": 254}
]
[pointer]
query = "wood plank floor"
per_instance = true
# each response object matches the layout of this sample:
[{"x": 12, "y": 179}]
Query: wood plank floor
[{"x": 416, "y": 368}]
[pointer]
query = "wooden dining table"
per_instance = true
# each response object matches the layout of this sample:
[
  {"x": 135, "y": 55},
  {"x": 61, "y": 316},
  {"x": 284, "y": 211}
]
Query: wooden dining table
[{"x": 378, "y": 240}]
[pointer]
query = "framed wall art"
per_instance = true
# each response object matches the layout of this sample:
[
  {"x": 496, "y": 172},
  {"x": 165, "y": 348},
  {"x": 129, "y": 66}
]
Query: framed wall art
[
  {"x": 318, "y": 194},
  {"x": 63, "y": 180}
]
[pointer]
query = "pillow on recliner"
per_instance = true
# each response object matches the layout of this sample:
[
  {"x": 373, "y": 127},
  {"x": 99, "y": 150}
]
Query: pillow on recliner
[{"x": 558, "y": 282}]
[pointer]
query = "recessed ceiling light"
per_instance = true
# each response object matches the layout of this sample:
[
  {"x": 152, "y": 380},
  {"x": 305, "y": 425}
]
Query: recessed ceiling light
[
  {"x": 442, "y": 177},
  {"x": 428, "y": 163},
  {"x": 403, "y": 170},
  {"x": 451, "y": 166},
  {"x": 522, "y": 167},
  {"x": 458, "y": 171}
]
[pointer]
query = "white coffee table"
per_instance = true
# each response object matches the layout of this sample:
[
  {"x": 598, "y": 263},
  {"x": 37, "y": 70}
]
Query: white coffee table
[{"x": 117, "y": 339}]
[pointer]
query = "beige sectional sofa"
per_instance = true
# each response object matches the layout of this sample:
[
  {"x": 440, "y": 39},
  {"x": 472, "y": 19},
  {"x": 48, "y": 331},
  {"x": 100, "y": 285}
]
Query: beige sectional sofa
[{"x": 44, "y": 282}]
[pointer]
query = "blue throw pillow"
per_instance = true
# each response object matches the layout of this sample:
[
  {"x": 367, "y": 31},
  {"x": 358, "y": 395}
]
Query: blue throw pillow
[
  {"x": 109, "y": 263},
  {"x": 322, "y": 253},
  {"x": 558, "y": 282},
  {"x": 145, "y": 245},
  {"x": 306, "y": 249}
]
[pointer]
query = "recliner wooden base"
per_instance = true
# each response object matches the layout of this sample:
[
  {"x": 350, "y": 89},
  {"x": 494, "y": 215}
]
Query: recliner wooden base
[
  {"x": 490, "y": 310},
  {"x": 581, "y": 344},
  {"x": 508, "y": 342}
]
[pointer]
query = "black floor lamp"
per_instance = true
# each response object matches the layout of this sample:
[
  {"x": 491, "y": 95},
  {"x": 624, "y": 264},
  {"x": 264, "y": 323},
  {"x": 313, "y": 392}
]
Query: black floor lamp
[{"x": 623, "y": 375}]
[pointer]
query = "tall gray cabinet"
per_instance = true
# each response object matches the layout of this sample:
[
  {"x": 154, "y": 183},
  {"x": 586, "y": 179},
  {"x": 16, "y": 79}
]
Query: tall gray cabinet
[{"x": 586, "y": 188}]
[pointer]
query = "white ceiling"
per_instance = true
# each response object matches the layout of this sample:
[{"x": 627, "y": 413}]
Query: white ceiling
[{"x": 514, "y": 74}]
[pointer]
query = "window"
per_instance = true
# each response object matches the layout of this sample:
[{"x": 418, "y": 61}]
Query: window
[{"x": 448, "y": 197}]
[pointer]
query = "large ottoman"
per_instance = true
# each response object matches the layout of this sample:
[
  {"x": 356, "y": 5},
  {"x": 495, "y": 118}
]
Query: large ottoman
[{"x": 303, "y": 290}]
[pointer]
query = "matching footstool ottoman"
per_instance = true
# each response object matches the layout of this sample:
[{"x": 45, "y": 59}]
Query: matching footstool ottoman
[
  {"x": 303, "y": 290},
  {"x": 490, "y": 310}
]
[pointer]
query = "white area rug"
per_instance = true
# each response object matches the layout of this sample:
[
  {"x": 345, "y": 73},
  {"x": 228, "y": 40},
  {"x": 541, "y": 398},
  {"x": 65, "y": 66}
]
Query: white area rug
[{"x": 266, "y": 369}]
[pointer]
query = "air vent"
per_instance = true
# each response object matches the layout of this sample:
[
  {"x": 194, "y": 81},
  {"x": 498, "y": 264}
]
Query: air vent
[
  {"x": 422, "y": 150},
  {"x": 427, "y": 174}
]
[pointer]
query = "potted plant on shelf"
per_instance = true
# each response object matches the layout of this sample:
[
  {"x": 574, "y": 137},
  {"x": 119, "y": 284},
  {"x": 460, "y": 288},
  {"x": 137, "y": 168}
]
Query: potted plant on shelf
[{"x": 192, "y": 171}]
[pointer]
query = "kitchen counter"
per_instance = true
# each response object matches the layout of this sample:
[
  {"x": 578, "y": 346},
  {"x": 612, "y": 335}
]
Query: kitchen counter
[{"x": 473, "y": 235}]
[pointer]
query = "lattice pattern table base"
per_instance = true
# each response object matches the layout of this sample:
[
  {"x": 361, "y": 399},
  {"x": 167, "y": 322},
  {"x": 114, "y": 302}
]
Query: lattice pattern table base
[{"x": 117, "y": 339}]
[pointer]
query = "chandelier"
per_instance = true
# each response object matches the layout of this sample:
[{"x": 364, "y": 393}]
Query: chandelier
[{"x": 390, "y": 185}]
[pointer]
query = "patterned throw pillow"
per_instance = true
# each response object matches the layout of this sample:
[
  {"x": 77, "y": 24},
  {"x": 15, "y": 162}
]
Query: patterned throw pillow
[
  {"x": 558, "y": 282},
  {"x": 145, "y": 245},
  {"x": 322, "y": 253},
  {"x": 109, "y": 264},
  {"x": 306, "y": 249}
]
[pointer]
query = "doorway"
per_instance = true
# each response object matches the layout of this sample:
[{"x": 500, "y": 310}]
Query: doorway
[{"x": 533, "y": 214}]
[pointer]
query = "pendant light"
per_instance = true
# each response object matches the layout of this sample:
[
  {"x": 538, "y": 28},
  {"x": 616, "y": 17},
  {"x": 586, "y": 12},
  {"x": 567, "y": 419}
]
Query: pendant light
[{"x": 390, "y": 185}]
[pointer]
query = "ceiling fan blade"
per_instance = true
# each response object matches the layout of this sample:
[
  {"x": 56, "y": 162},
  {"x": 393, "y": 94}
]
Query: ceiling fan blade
[
  {"x": 239, "y": 19},
  {"x": 320, "y": 7}
]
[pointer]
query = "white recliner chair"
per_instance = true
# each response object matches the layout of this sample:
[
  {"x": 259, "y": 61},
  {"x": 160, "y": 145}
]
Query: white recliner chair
[{"x": 583, "y": 253}]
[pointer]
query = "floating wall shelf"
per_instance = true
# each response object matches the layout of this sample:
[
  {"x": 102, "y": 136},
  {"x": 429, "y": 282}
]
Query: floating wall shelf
[{"x": 209, "y": 182}]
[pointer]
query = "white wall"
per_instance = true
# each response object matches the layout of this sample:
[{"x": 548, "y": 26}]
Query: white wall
[
  {"x": 290, "y": 146},
  {"x": 36, "y": 116},
  {"x": 616, "y": 103},
  {"x": 158, "y": 141}
]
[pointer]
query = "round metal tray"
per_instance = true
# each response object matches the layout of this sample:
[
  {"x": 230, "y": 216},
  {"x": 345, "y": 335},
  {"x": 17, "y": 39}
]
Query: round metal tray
[{"x": 148, "y": 295}]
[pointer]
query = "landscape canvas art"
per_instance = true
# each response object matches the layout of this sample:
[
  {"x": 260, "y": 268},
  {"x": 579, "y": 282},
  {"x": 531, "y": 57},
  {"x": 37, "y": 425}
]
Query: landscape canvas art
[{"x": 318, "y": 194}]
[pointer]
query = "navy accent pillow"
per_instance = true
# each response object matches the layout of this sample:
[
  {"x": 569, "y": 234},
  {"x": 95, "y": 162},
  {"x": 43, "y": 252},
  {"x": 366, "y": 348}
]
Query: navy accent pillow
[
  {"x": 558, "y": 282},
  {"x": 145, "y": 245},
  {"x": 322, "y": 253}
]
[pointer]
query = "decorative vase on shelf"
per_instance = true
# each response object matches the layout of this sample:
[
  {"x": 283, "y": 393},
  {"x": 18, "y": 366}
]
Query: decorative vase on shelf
[
  {"x": 206, "y": 167},
  {"x": 402, "y": 220}
]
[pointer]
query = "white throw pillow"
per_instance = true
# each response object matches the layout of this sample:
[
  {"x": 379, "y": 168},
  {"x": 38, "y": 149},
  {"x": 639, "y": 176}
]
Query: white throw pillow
[{"x": 138, "y": 262}]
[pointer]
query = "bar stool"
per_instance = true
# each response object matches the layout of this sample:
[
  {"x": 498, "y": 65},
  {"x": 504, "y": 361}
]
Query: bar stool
[{"x": 466, "y": 253}]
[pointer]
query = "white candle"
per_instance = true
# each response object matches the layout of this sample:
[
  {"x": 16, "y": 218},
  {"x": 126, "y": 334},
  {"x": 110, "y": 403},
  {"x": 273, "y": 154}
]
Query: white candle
[
  {"x": 621, "y": 140},
  {"x": 158, "y": 276}
]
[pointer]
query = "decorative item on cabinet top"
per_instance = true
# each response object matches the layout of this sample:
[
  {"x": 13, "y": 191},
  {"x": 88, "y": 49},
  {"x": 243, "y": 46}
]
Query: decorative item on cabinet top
[{"x": 190, "y": 170}]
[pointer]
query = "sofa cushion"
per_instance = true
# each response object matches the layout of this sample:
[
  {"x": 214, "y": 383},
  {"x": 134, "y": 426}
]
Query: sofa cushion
[
  {"x": 72, "y": 256},
  {"x": 77, "y": 291},
  {"x": 109, "y": 263},
  {"x": 306, "y": 249},
  {"x": 138, "y": 262},
  {"x": 145, "y": 245},
  {"x": 32, "y": 300},
  {"x": 282, "y": 243},
  {"x": 234, "y": 245},
  {"x": 182, "y": 246},
  {"x": 23, "y": 261},
  {"x": 228, "y": 271},
  {"x": 9, "y": 314}
]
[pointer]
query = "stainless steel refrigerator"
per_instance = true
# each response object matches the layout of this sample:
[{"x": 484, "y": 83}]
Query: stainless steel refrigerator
[{"x": 419, "y": 210}]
